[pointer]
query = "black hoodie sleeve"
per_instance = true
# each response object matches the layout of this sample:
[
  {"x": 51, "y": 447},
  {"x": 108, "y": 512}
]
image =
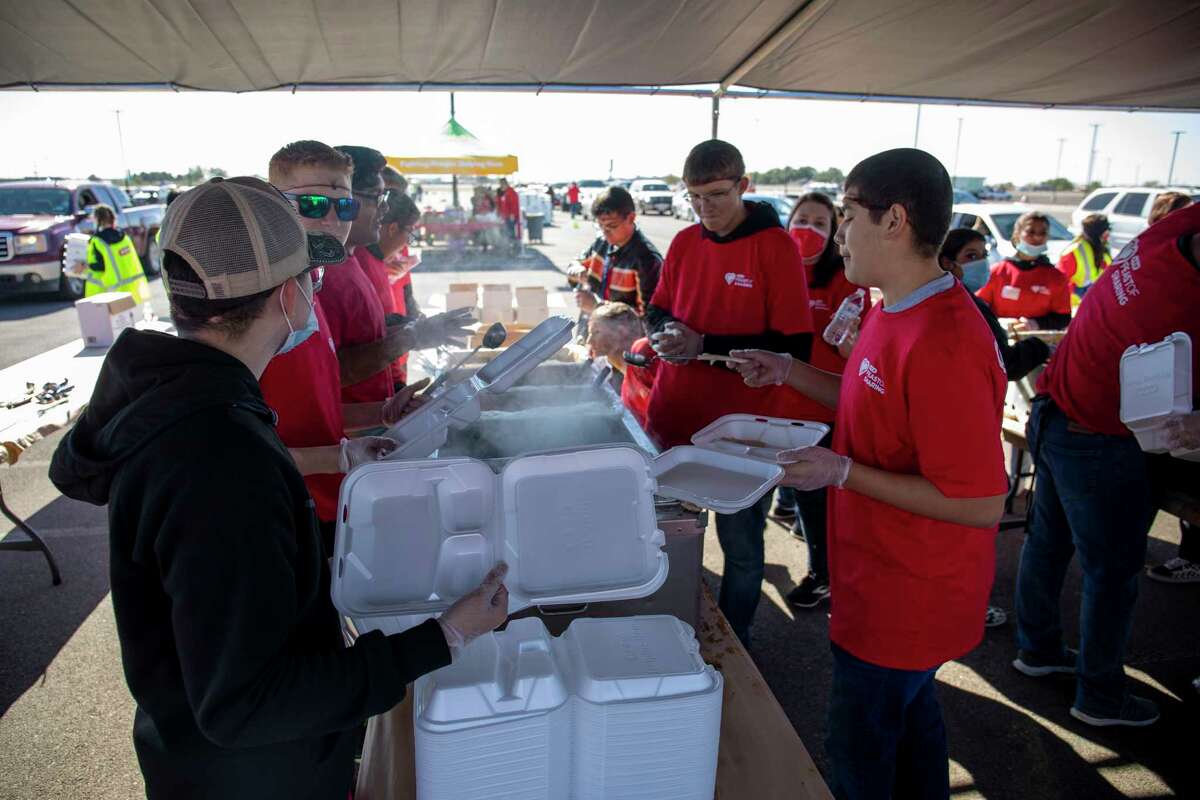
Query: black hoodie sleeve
[
  {"x": 1053, "y": 322},
  {"x": 1019, "y": 359},
  {"x": 232, "y": 581}
]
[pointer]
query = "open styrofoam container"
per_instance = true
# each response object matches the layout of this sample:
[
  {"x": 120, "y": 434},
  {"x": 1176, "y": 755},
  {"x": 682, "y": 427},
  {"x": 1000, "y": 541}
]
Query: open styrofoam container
[
  {"x": 614, "y": 708},
  {"x": 759, "y": 437},
  {"x": 574, "y": 527},
  {"x": 421, "y": 433},
  {"x": 1156, "y": 385}
]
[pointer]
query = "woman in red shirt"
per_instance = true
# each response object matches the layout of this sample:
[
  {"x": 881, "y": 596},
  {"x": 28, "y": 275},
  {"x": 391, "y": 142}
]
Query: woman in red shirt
[
  {"x": 812, "y": 225},
  {"x": 1026, "y": 286}
]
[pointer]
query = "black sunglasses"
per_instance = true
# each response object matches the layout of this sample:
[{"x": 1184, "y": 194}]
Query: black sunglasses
[{"x": 316, "y": 206}]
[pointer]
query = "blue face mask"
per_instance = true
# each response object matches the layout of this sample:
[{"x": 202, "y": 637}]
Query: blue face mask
[
  {"x": 1031, "y": 250},
  {"x": 297, "y": 337},
  {"x": 975, "y": 274}
]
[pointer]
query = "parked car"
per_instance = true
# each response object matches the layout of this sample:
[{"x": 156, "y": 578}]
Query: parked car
[
  {"x": 962, "y": 196},
  {"x": 1127, "y": 208},
  {"x": 652, "y": 195},
  {"x": 996, "y": 195},
  {"x": 996, "y": 221},
  {"x": 35, "y": 218},
  {"x": 681, "y": 207},
  {"x": 589, "y": 188},
  {"x": 783, "y": 206}
]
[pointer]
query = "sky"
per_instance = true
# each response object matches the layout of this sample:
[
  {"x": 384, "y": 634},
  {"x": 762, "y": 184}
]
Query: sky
[{"x": 573, "y": 136}]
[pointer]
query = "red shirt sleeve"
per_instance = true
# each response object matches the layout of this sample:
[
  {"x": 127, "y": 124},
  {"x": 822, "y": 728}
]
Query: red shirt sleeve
[
  {"x": 1060, "y": 302},
  {"x": 954, "y": 393},
  {"x": 1067, "y": 266},
  {"x": 788, "y": 311}
]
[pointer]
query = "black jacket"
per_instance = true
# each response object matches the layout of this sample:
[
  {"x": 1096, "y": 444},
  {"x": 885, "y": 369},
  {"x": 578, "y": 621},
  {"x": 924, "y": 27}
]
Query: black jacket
[
  {"x": 230, "y": 643},
  {"x": 633, "y": 269},
  {"x": 1021, "y": 358}
]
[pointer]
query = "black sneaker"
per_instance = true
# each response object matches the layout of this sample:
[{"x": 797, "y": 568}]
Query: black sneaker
[
  {"x": 809, "y": 594},
  {"x": 1177, "y": 570},
  {"x": 1035, "y": 667},
  {"x": 1137, "y": 712},
  {"x": 782, "y": 513}
]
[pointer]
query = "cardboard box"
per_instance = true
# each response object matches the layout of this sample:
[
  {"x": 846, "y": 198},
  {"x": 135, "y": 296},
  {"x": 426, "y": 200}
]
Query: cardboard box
[
  {"x": 532, "y": 297},
  {"x": 532, "y": 315},
  {"x": 462, "y": 295},
  {"x": 497, "y": 295},
  {"x": 103, "y": 316},
  {"x": 490, "y": 314}
]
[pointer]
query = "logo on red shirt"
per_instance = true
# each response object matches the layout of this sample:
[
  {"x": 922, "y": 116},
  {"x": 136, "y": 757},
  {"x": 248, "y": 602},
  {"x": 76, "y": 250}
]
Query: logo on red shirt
[
  {"x": 870, "y": 375},
  {"x": 738, "y": 279}
]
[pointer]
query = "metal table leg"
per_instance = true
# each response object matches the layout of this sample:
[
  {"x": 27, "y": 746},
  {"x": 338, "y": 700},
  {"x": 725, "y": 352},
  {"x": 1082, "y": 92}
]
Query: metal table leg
[{"x": 34, "y": 542}]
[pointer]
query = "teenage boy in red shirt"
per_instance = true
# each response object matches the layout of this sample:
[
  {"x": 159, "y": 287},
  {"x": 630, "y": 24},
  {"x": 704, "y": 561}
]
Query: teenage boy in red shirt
[
  {"x": 733, "y": 281},
  {"x": 1094, "y": 491},
  {"x": 919, "y": 477}
]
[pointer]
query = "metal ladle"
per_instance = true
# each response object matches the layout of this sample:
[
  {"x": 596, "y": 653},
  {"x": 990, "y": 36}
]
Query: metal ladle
[{"x": 493, "y": 337}]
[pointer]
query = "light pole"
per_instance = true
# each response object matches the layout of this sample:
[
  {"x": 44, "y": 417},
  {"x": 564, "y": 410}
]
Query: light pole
[
  {"x": 917, "y": 129},
  {"x": 121, "y": 142},
  {"x": 957, "y": 143},
  {"x": 1174, "y": 150},
  {"x": 1092, "y": 154},
  {"x": 1108, "y": 171},
  {"x": 1058, "y": 168}
]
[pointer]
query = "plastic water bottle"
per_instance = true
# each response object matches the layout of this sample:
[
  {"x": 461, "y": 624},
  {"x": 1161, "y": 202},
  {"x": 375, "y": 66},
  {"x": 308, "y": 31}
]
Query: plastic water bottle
[{"x": 839, "y": 327}]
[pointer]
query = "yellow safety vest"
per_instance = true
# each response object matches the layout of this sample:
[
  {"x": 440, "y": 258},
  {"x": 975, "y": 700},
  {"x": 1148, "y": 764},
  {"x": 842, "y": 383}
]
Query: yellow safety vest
[
  {"x": 122, "y": 270},
  {"x": 1086, "y": 270}
]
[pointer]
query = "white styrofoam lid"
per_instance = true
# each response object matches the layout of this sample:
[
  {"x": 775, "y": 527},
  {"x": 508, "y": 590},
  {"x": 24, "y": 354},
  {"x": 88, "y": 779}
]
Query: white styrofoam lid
[
  {"x": 713, "y": 479},
  {"x": 759, "y": 437},
  {"x": 1156, "y": 381},
  {"x": 634, "y": 658},
  {"x": 423, "y": 431},
  {"x": 505, "y": 674},
  {"x": 520, "y": 357},
  {"x": 414, "y": 536}
]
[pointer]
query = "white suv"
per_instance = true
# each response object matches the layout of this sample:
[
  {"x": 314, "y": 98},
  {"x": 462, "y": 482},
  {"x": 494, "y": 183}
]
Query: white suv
[
  {"x": 651, "y": 195},
  {"x": 1127, "y": 208}
]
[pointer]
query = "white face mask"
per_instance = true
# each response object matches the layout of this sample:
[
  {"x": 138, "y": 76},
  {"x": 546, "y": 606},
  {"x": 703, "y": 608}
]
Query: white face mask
[{"x": 1031, "y": 250}]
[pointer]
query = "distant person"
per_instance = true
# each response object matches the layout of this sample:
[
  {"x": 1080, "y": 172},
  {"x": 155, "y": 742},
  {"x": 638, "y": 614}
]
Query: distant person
[
  {"x": 112, "y": 260},
  {"x": 1087, "y": 256},
  {"x": 1026, "y": 287},
  {"x": 508, "y": 204},
  {"x": 1095, "y": 493},
  {"x": 573, "y": 198},
  {"x": 243, "y": 684},
  {"x": 1165, "y": 203},
  {"x": 916, "y": 478},
  {"x": 621, "y": 265},
  {"x": 728, "y": 282},
  {"x": 613, "y": 330},
  {"x": 813, "y": 226}
]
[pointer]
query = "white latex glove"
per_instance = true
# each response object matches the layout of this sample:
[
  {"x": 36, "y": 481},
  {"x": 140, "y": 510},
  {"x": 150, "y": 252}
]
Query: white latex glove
[
  {"x": 404, "y": 402},
  {"x": 477, "y": 613},
  {"x": 1183, "y": 433},
  {"x": 810, "y": 468},
  {"x": 676, "y": 340},
  {"x": 762, "y": 367},
  {"x": 364, "y": 450}
]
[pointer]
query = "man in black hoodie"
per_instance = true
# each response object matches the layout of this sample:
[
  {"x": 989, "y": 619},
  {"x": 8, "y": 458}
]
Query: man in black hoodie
[
  {"x": 735, "y": 281},
  {"x": 230, "y": 643}
]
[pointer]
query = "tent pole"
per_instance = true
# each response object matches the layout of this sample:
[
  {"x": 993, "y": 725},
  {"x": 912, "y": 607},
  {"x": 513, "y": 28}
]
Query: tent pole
[
  {"x": 454, "y": 190},
  {"x": 716, "y": 114}
]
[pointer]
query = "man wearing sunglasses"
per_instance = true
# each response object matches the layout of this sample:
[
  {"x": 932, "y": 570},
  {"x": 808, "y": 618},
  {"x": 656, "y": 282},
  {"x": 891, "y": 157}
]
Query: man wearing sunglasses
[
  {"x": 303, "y": 386},
  {"x": 734, "y": 279}
]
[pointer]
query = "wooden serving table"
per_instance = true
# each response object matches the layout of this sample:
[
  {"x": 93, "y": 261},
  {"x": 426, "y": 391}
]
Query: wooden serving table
[{"x": 760, "y": 754}]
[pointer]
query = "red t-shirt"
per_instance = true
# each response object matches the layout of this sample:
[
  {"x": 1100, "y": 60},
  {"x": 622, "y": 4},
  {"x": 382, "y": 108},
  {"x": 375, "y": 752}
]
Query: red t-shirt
[
  {"x": 823, "y": 302},
  {"x": 355, "y": 315},
  {"x": 923, "y": 396},
  {"x": 304, "y": 389},
  {"x": 377, "y": 272},
  {"x": 572, "y": 194},
  {"x": 638, "y": 381},
  {"x": 746, "y": 286},
  {"x": 509, "y": 204},
  {"x": 1035, "y": 292},
  {"x": 1150, "y": 291}
]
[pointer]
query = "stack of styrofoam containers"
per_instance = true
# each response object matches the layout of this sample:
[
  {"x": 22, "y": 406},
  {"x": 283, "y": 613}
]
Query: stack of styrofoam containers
[
  {"x": 497, "y": 304},
  {"x": 1156, "y": 386},
  {"x": 462, "y": 295},
  {"x": 617, "y": 708},
  {"x": 75, "y": 248},
  {"x": 533, "y": 305}
]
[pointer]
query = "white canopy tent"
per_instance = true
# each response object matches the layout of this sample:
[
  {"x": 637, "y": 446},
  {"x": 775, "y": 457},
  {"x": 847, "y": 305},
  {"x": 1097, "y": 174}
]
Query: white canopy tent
[{"x": 1134, "y": 54}]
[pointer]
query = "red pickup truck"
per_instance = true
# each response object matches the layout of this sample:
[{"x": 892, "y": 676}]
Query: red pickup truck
[{"x": 35, "y": 218}]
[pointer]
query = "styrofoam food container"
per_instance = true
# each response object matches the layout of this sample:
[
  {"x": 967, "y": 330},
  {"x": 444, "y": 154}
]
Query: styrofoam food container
[
  {"x": 775, "y": 434},
  {"x": 617, "y": 708},
  {"x": 1156, "y": 385},
  {"x": 421, "y": 433}
]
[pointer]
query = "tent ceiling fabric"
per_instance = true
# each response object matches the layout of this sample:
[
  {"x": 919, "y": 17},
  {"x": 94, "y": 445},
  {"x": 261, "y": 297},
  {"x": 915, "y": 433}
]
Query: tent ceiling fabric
[{"x": 1121, "y": 53}]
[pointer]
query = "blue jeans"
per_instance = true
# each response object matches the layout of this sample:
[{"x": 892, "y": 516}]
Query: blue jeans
[
  {"x": 885, "y": 735},
  {"x": 1092, "y": 497},
  {"x": 741, "y": 538}
]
